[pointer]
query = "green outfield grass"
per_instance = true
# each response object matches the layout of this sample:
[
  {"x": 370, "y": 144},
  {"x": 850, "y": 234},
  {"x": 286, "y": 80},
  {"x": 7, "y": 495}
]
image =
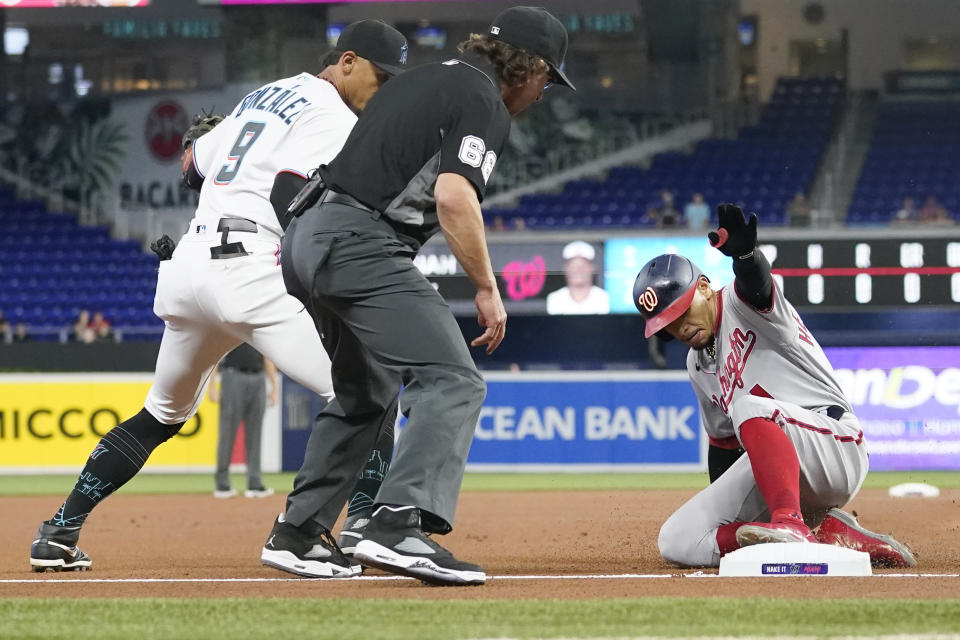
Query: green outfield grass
[
  {"x": 283, "y": 482},
  {"x": 344, "y": 619}
]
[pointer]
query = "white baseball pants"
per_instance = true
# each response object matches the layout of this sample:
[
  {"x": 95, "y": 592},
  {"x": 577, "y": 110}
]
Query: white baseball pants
[
  {"x": 211, "y": 306},
  {"x": 833, "y": 466}
]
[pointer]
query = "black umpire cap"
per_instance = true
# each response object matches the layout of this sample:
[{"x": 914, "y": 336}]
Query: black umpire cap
[
  {"x": 536, "y": 31},
  {"x": 378, "y": 42}
]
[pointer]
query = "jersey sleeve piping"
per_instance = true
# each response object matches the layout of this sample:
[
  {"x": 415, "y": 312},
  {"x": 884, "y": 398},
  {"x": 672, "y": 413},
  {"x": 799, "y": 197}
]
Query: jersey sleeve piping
[
  {"x": 294, "y": 172},
  {"x": 193, "y": 155},
  {"x": 716, "y": 325}
]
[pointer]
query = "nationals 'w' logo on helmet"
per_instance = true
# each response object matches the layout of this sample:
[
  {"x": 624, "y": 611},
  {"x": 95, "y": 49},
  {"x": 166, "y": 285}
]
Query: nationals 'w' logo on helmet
[
  {"x": 663, "y": 290},
  {"x": 648, "y": 300}
]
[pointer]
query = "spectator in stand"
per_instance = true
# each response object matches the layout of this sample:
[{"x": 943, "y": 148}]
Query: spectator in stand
[
  {"x": 799, "y": 211},
  {"x": 519, "y": 224},
  {"x": 4, "y": 329},
  {"x": 934, "y": 212},
  {"x": 100, "y": 327},
  {"x": 20, "y": 333},
  {"x": 664, "y": 213},
  {"x": 81, "y": 328},
  {"x": 697, "y": 213},
  {"x": 907, "y": 213},
  {"x": 498, "y": 224}
]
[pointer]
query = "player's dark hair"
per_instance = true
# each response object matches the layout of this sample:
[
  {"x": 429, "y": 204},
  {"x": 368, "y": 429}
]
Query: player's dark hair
[
  {"x": 512, "y": 65},
  {"x": 330, "y": 58}
]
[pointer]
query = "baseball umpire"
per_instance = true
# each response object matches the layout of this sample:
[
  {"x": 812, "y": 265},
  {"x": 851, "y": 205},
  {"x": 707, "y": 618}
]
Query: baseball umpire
[
  {"x": 417, "y": 162},
  {"x": 243, "y": 398},
  {"x": 223, "y": 285},
  {"x": 764, "y": 384}
]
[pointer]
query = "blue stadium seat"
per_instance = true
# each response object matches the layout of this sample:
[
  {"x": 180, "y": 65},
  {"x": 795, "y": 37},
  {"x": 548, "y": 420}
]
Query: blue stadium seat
[{"x": 913, "y": 153}]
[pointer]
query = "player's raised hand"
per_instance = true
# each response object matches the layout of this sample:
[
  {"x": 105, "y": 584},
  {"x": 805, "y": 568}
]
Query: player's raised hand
[
  {"x": 492, "y": 316},
  {"x": 735, "y": 236}
]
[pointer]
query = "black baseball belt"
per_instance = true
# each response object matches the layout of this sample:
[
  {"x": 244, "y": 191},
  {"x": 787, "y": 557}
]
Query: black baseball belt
[
  {"x": 227, "y": 250},
  {"x": 407, "y": 233},
  {"x": 335, "y": 197}
]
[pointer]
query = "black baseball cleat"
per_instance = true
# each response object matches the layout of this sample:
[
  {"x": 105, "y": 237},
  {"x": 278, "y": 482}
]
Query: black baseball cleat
[
  {"x": 311, "y": 554},
  {"x": 393, "y": 541},
  {"x": 56, "y": 548},
  {"x": 352, "y": 532}
]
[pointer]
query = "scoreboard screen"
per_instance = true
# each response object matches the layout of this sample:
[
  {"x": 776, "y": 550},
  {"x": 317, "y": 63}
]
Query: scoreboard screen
[
  {"x": 852, "y": 273},
  {"x": 838, "y": 274}
]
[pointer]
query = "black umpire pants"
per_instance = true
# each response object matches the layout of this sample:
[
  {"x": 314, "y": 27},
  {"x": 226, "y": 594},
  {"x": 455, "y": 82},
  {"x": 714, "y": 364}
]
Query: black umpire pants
[{"x": 384, "y": 326}]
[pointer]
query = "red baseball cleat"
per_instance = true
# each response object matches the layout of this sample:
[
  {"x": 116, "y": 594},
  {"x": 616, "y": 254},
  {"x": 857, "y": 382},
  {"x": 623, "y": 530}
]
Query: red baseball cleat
[
  {"x": 842, "y": 529},
  {"x": 763, "y": 532}
]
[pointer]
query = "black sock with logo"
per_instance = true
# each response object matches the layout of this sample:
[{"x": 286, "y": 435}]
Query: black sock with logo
[
  {"x": 115, "y": 460},
  {"x": 371, "y": 476}
]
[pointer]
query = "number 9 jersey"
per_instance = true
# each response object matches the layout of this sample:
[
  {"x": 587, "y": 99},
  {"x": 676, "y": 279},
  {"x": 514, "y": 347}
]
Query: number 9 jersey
[{"x": 239, "y": 159}]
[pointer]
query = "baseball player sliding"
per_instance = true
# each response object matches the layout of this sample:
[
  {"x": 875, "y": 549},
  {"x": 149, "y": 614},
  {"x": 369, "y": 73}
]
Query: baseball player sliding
[
  {"x": 223, "y": 285},
  {"x": 764, "y": 385}
]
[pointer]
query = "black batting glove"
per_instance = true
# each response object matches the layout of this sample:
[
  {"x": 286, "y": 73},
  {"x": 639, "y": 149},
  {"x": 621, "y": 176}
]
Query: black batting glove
[
  {"x": 736, "y": 236},
  {"x": 163, "y": 247}
]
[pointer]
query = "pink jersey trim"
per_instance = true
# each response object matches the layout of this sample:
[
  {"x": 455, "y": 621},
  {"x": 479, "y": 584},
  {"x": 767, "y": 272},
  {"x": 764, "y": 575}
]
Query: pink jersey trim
[
  {"x": 760, "y": 392},
  {"x": 821, "y": 430},
  {"x": 716, "y": 325},
  {"x": 294, "y": 172},
  {"x": 193, "y": 158}
]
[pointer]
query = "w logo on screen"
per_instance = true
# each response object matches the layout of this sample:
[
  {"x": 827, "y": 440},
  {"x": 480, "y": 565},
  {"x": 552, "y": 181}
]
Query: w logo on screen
[{"x": 525, "y": 279}]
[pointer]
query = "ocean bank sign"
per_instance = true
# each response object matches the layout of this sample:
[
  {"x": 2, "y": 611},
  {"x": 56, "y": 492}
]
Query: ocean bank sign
[
  {"x": 908, "y": 402},
  {"x": 589, "y": 421}
]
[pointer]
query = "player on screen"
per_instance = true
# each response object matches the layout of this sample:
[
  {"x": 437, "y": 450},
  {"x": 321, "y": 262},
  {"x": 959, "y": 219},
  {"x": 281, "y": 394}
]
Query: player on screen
[{"x": 579, "y": 296}]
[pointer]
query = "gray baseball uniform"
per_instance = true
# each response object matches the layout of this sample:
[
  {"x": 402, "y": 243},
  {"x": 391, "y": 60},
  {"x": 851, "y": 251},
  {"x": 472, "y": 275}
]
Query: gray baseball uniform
[
  {"x": 243, "y": 398},
  {"x": 762, "y": 358}
]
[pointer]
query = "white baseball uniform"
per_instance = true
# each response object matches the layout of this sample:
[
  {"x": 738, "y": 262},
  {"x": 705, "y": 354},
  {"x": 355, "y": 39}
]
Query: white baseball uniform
[
  {"x": 767, "y": 365},
  {"x": 210, "y": 305}
]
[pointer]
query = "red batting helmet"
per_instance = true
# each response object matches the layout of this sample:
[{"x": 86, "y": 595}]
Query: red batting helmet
[{"x": 663, "y": 291}]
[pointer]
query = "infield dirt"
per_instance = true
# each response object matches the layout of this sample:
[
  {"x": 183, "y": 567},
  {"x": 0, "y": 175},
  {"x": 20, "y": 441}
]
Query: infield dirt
[{"x": 508, "y": 533}]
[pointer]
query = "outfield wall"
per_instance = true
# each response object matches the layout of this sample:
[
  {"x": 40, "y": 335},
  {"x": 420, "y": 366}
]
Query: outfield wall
[
  {"x": 49, "y": 423},
  {"x": 907, "y": 398}
]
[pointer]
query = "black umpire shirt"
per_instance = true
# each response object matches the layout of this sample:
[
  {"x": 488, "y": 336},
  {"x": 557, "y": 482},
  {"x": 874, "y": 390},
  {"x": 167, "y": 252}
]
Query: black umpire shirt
[{"x": 444, "y": 117}]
